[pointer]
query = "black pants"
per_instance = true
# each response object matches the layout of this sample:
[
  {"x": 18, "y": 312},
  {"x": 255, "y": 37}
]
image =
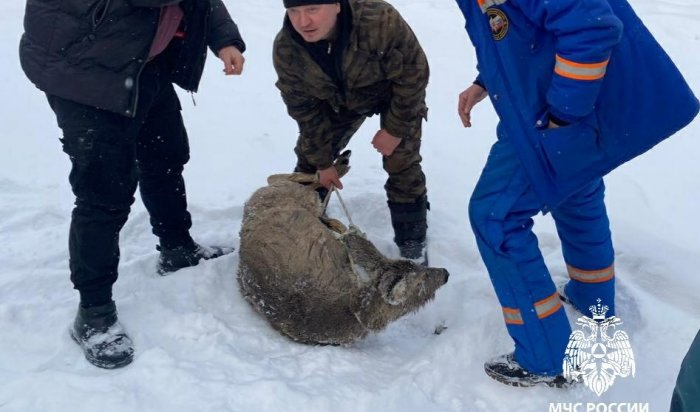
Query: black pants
[{"x": 111, "y": 155}]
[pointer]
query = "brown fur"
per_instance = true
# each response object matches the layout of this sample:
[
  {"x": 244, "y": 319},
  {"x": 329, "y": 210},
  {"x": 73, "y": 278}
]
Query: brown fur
[{"x": 314, "y": 285}]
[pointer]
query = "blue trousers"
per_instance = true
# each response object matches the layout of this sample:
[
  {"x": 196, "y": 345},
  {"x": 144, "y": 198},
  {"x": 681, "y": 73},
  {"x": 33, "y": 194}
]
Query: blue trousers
[{"x": 501, "y": 210}]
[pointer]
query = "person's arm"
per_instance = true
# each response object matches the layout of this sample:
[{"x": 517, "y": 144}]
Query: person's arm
[
  {"x": 225, "y": 40},
  {"x": 479, "y": 82},
  {"x": 308, "y": 111},
  {"x": 406, "y": 108},
  {"x": 469, "y": 98},
  {"x": 223, "y": 31},
  {"x": 586, "y": 32}
]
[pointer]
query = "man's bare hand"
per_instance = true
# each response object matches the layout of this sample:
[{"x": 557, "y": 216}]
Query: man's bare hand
[
  {"x": 329, "y": 178},
  {"x": 233, "y": 60},
  {"x": 467, "y": 100},
  {"x": 385, "y": 142}
]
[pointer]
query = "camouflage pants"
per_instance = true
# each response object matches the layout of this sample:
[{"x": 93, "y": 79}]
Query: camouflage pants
[{"x": 406, "y": 181}]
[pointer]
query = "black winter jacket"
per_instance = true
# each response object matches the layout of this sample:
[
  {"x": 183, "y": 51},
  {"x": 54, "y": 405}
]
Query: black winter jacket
[{"x": 92, "y": 51}]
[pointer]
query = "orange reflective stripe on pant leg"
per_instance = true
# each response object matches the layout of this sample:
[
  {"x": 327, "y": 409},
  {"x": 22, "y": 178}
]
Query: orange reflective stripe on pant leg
[
  {"x": 591, "y": 276},
  {"x": 548, "y": 306},
  {"x": 513, "y": 316}
]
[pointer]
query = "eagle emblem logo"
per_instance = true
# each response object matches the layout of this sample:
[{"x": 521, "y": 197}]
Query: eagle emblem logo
[
  {"x": 598, "y": 352},
  {"x": 498, "y": 21}
]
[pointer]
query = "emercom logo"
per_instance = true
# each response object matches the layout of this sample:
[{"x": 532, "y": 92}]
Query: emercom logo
[{"x": 598, "y": 352}]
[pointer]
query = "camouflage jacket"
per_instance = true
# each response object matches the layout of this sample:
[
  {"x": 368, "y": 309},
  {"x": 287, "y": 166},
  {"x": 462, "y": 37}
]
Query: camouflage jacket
[{"x": 384, "y": 71}]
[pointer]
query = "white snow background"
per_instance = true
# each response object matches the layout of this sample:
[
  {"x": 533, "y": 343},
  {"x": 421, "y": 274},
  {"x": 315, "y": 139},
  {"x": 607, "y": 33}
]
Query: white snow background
[{"x": 200, "y": 346}]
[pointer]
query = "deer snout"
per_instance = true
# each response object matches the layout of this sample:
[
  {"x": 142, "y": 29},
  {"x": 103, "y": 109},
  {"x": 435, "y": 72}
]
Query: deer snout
[
  {"x": 446, "y": 275},
  {"x": 440, "y": 273}
]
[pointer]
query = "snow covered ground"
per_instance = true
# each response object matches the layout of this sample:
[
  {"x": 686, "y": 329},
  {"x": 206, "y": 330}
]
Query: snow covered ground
[{"x": 200, "y": 347}]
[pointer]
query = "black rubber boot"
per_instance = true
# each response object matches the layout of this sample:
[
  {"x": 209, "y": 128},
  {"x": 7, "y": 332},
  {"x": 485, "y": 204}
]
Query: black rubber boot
[
  {"x": 507, "y": 370},
  {"x": 410, "y": 226},
  {"x": 180, "y": 257},
  {"x": 102, "y": 338}
]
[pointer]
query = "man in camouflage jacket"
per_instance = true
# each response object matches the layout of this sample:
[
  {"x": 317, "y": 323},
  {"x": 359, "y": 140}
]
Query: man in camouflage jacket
[{"x": 339, "y": 62}]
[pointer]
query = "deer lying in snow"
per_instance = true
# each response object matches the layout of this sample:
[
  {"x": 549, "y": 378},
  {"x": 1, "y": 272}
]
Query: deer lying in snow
[{"x": 316, "y": 281}]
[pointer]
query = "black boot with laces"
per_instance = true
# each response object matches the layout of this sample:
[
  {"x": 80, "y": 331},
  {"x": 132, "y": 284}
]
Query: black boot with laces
[{"x": 101, "y": 337}]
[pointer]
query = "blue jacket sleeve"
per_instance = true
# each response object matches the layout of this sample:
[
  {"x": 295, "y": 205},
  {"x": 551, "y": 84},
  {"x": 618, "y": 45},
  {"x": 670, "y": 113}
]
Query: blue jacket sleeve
[{"x": 585, "y": 33}]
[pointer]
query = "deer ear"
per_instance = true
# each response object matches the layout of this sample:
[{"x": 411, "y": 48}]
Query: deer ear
[{"x": 392, "y": 287}]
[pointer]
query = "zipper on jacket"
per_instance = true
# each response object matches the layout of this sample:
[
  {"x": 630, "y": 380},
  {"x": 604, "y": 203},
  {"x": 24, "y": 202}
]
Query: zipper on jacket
[
  {"x": 200, "y": 69},
  {"x": 135, "y": 104},
  {"x": 99, "y": 14}
]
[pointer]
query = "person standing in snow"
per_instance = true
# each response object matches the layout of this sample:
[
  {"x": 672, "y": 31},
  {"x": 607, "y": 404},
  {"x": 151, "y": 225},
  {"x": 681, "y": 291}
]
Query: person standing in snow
[
  {"x": 108, "y": 68},
  {"x": 580, "y": 87},
  {"x": 339, "y": 62},
  {"x": 686, "y": 393}
]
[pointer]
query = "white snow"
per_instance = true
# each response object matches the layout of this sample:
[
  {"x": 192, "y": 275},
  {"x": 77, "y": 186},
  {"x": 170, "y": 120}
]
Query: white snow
[{"x": 200, "y": 346}]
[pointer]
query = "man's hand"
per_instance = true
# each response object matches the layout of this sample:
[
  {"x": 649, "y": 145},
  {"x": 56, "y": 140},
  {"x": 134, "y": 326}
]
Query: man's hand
[
  {"x": 233, "y": 60},
  {"x": 467, "y": 100},
  {"x": 329, "y": 177},
  {"x": 385, "y": 142}
]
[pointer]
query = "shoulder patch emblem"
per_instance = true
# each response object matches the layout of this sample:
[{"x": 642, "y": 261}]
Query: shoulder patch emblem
[{"x": 498, "y": 22}]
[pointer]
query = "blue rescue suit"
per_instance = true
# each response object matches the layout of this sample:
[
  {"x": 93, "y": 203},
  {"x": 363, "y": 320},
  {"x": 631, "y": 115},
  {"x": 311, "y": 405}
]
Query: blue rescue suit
[{"x": 594, "y": 65}]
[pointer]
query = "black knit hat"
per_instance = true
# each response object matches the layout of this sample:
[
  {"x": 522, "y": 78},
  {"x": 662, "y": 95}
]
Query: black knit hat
[{"x": 295, "y": 3}]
